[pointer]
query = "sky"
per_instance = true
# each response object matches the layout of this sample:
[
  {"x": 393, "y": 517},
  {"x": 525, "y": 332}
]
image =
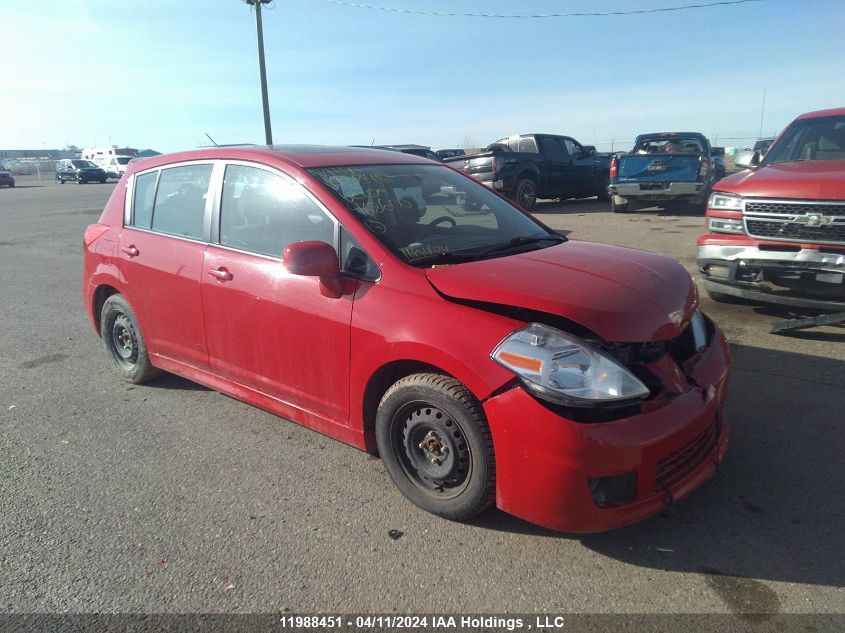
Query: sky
[{"x": 163, "y": 74}]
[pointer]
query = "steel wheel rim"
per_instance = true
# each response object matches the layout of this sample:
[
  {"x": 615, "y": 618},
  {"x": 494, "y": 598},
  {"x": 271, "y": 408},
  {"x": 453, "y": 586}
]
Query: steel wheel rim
[
  {"x": 432, "y": 449},
  {"x": 124, "y": 341}
]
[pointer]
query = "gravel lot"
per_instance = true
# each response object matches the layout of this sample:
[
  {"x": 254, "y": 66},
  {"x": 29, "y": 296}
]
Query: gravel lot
[{"x": 173, "y": 498}]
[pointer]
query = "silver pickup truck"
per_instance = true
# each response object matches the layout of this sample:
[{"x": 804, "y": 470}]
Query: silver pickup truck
[{"x": 664, "y": 167}]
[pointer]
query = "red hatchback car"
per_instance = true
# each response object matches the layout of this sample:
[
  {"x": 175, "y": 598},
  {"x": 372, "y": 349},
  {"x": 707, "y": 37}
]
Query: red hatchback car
[{"x": 400, "y": 306}]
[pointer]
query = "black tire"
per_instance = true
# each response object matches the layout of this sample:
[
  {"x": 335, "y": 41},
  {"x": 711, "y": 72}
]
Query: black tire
[
  {"x": 79, "y": 181},
  {"x": 102, "y": 181},
  {"x": 60, "y": 179},
  {"x": 525, "y": 193},
  {"x": 618, "y": 207},
  {"x": 435, "y": 443},
  {"x": 123, "y": 341},
  {"x": 601, "y": 188}
]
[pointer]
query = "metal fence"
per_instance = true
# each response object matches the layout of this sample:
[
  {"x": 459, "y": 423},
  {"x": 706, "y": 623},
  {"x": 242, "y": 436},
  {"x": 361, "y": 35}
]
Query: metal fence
[{"x": 41, "y": 169}]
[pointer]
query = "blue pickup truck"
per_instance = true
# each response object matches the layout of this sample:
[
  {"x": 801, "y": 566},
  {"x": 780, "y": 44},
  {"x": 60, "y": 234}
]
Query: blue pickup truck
[
  {"x": 530, "y": 166},
  {"x": 665, "y": 167}
]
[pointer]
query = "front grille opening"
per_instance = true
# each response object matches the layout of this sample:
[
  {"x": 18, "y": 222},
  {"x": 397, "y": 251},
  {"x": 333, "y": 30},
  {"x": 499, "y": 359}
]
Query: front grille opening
[{"x": 673, "y": 468}]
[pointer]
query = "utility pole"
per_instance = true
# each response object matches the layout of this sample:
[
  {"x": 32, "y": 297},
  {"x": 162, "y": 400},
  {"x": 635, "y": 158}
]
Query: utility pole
[{"x": 265, "y": 102}]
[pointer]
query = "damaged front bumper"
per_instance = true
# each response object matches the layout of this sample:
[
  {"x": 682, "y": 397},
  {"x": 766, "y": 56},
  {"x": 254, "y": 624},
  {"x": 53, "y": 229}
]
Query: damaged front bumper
[
  {"x": 590, "y": 477},
  {"x": 796, "y": 275}
]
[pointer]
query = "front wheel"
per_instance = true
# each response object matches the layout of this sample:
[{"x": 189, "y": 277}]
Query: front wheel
[
  {"x": 123, "y": 341},
  {"x": 435, "y": 443},
  {"x": 525, "y": 193}
]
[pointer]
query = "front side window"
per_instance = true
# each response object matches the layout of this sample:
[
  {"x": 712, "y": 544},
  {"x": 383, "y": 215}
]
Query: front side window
[
  {"x": 428, "y": 214},
  {"x": 179, "y": 206},
  {"x": 262, "y": 212}
]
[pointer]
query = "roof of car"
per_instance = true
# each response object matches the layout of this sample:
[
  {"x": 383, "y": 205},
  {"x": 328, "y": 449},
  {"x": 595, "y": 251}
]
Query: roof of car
[
  {"x": 302, "y": 156},
  {"x": 818, "y": 113}
]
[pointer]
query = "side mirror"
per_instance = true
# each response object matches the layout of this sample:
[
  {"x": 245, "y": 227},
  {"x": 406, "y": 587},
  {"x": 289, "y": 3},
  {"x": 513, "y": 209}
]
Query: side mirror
[
  {"x": 747, "y": 160},
  {"x": 315, "y": 259}
]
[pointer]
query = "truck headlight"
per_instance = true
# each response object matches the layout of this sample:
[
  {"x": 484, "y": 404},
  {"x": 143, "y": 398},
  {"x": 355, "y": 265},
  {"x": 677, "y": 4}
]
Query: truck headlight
[
  {"x": 724, "y": 201},
  {"x": 564, "y": 369}
]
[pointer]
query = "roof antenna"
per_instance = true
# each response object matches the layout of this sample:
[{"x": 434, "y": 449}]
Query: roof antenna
[
  {"x": 373, "y": 141},
  {"x": 212, "y": 140}
]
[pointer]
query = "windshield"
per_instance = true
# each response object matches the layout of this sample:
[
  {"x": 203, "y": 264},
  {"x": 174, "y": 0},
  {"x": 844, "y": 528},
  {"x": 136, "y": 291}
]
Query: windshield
[
  {"x": 83, "y": 164},
  {"x": 818, "y": 138},
  {"x": 123, "y": 160},
  {"x": 428, "y": 214},
  {"x": 668, "y": 145}
]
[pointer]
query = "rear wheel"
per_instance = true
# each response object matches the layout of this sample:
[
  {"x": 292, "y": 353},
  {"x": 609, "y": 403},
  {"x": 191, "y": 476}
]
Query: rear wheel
[
  {"x": 618, "y": 204},
  {"x": 435, "y": 443},
  {"x": 601, "y": 188},
  {"x": 123, "y": 341},
  {"x": 525, "y": 193}
]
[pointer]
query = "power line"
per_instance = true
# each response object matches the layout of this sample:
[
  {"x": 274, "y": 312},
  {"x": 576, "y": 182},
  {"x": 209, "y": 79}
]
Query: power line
[{"x": 704, "y": 5}]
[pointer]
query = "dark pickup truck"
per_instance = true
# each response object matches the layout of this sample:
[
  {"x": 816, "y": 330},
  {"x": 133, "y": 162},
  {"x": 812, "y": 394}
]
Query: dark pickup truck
[
  {"x": 531, "y": 166},
  {"x": 665, "y": 167}
]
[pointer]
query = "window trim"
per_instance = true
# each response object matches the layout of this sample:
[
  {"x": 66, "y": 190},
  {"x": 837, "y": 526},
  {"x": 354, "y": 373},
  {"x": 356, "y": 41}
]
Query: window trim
[{"x": 213, "y": 204}]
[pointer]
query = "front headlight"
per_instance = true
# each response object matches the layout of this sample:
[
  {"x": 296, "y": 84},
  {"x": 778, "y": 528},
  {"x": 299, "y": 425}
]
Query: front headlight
[
  {"x": 564, "y": 369},
  {"x": 725, "y": 201}
]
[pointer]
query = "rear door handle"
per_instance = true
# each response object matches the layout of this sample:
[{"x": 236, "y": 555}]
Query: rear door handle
[
  {"x": 221, "y": 274},
  {"x": 132, "y": 251}
]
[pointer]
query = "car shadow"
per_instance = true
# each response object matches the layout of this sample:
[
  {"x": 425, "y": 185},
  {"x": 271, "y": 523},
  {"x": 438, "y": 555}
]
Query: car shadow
[
  {"x": 775, "y": 509},
  {"x": 172, "y": 381}
]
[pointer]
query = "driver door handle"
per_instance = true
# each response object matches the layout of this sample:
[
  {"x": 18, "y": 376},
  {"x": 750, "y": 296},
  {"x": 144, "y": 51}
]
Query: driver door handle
[
  {"x": 221, "y": 274},
  {"x": 131, "y": 250}
]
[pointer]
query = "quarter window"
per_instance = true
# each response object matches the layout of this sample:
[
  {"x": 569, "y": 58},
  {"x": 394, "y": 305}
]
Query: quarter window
[
  {"x": 145, "y": 191},
  {"x": 261, "y": 212}
]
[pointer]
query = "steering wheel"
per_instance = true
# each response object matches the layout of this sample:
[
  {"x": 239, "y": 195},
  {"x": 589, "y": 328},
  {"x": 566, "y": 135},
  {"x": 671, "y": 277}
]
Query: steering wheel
[{"x": 442, "y": 218}]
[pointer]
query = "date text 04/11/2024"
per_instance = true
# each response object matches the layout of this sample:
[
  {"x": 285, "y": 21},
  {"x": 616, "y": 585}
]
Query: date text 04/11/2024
[{"x": 541, "y": 622}]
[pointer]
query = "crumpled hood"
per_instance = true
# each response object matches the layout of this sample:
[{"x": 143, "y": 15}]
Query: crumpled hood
[
  {"x": 621, "y": 294},
  {"x": 810, "y": 179}
]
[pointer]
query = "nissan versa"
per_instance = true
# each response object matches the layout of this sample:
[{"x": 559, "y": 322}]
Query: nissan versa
[{"x": 400, "y": 306}]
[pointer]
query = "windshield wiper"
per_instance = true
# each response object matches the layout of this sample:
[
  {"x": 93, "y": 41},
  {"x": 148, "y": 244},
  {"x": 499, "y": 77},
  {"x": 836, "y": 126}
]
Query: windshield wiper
[
  {"x": 448, "y": 257},
  {"x": 519, "y": 241}
]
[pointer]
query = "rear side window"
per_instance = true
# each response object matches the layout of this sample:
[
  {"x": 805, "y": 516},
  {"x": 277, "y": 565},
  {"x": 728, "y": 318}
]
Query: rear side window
[
  {"x": 145, "y": 191},
  {"x": 261, "y": 212},
  {"x": 180, "y": 201}
]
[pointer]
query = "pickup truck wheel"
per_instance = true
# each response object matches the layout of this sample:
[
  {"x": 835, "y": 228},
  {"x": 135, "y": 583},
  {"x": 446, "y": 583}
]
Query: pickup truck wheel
[
  {"x": 525, "y": 193},
  {"x": 617, "y": 206},
  {"x": 601, "y": 188},
  {"x": 436, "y": 445}
]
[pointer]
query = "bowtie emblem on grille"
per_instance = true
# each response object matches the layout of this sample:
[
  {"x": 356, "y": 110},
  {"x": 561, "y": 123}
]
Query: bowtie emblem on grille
[{"x": 812, "y": 219}]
